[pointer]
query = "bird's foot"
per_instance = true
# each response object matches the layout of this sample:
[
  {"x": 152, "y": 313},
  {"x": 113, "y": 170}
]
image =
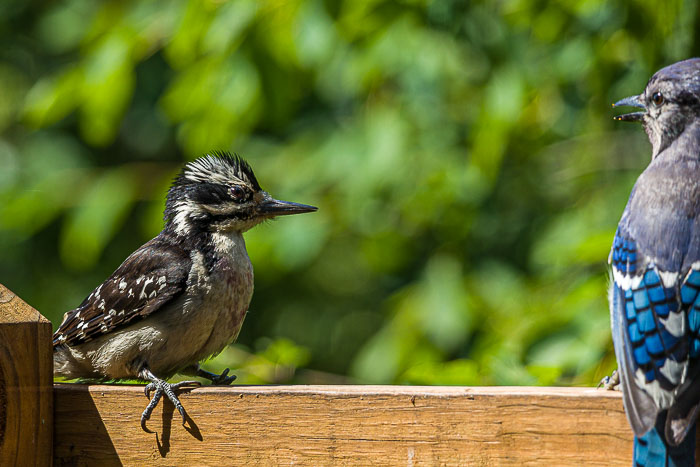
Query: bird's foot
[
  {"x": 218, "y": 380},
  {"x": 160, "y": 387},
  {"x": 611, "y": 383}
]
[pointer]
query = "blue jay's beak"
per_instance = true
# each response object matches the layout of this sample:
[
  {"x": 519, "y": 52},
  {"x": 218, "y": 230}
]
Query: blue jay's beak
[
  {"x": 273, "y": 207},
  {"x": 633, "y": 101}
]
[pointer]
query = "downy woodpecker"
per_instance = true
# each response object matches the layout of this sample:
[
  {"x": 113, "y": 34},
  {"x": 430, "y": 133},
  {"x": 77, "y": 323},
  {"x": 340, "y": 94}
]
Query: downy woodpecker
[{"x": 182, "y": 296}]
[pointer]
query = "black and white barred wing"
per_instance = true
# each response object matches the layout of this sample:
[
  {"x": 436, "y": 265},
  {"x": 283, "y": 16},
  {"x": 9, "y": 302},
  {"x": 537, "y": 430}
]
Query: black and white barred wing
[{"x": 148, "y": 279}]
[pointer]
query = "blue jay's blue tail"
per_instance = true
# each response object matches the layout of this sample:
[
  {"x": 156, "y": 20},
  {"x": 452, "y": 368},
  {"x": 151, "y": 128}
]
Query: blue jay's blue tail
[{"x": 651, "y": 450}]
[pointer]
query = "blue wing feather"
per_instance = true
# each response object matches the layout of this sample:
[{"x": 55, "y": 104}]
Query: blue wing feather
[
  {"x": 656, "y": 329},
  {"x": 651, "y": 448},
  {"x": 639, "y": 406}
]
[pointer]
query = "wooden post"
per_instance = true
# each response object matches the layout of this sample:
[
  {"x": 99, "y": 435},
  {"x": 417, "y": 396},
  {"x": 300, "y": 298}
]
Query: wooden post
[{"x": 26, "y": 383}]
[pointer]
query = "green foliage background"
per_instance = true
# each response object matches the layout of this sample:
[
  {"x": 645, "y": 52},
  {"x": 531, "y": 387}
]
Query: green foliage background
[{"x": 463, "y": 156}]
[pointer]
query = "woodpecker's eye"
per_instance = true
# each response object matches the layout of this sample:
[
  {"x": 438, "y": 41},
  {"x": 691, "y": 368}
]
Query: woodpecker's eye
[
  {"x": 237, "y": 193},
  {"x": 657, "y": 98}
]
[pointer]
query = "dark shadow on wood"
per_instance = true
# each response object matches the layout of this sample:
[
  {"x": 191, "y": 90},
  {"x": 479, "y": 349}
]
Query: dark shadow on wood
[
  {"x": 163, "y": 441},
  {"x": 75, "y": 413},
  {"x": 192, "y": 428}
]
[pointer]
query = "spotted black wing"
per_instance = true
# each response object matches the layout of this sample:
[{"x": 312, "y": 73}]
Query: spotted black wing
[{"x": 151, "y": 277}]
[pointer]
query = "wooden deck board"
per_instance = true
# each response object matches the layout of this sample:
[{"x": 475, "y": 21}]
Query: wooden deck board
[{"x": 344, "y": 425}]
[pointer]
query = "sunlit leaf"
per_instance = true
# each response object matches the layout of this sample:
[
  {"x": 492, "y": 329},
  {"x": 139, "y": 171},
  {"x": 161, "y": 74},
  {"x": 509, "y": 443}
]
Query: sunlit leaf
[{"x": 93, "y": 223}]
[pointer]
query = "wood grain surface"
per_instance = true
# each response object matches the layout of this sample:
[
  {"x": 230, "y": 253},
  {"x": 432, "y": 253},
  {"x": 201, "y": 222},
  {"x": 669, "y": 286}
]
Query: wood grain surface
[
  {"x": 26, "y": 383},
  {"x": 344, "y": 425}
]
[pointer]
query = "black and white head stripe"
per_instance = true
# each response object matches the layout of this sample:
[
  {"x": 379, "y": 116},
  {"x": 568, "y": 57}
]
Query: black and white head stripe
[
  {"x": 215, "y": 185},
  {"x": 218, "y": 168}
]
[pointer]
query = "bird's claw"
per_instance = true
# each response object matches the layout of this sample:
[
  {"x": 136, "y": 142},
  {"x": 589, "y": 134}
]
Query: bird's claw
[
  {"x": 159, "y": 388},
  {"x": 222, "y": 379},
  {"x": 151, "y": 405},
  {"x": 217, "y": 380},
  {"x": 611, "y": 383}
]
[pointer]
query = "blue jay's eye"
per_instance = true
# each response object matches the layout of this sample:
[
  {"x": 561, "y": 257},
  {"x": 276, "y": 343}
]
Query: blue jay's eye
[
  {"x": 657, "y": 98},
  {"x": 237, "y": 193}
]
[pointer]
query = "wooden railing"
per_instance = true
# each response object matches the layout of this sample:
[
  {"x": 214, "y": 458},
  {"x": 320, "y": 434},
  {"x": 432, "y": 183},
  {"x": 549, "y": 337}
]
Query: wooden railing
[{"x": 72, "y": 424}]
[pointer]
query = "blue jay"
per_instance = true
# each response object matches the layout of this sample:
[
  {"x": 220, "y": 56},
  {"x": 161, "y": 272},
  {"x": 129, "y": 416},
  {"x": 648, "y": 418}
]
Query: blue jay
[{"x": 655, "y": 259}]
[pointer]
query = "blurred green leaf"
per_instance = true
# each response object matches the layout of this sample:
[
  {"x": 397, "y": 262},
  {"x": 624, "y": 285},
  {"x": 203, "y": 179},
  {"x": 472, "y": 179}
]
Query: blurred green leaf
[
  {"x": 107, "y": 88},
  {"x": 94, "y": 222},
  {"x": 455, "y": 372},
  {"x": 53, "y": 97}
]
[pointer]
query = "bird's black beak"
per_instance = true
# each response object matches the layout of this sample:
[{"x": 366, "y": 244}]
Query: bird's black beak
[
  {"x": 633, "y": 101},
  {"x": 273, "y": 207}
]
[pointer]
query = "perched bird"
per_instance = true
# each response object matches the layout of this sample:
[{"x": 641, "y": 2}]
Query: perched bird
[
  {"x": 655, "y": 259},
  {"x": 182, "y": 296}
]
